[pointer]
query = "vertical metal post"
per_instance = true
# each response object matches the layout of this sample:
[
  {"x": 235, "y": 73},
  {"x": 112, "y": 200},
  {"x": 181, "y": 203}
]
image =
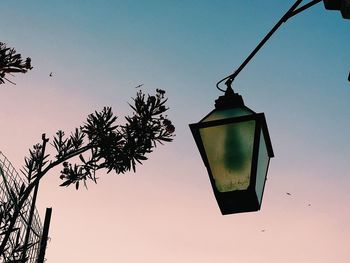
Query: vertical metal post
[
  {"x": 29, "y": 223},
  {"x": 44, "y": 236},
  {"x": 32, "y": 208}
]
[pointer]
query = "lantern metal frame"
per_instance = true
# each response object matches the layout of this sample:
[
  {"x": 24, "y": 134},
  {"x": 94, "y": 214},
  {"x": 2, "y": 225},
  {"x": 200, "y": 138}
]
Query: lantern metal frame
[{"x": 238, "y": 200}]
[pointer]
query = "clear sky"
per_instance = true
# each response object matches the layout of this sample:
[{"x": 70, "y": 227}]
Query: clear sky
[{"x": 98, "y": 51}]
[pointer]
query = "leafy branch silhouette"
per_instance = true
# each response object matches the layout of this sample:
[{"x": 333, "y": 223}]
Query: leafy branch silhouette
[
  {"x": 11, "y": 62},
  {"x": 100, "y": 143}
]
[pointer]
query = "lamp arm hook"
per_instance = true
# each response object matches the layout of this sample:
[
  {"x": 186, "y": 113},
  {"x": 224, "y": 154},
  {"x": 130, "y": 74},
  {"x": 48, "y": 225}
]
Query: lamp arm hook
[{"x": 290, "y": 13}]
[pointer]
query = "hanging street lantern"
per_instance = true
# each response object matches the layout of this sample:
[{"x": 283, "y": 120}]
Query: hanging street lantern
[
  {"x": 234, "y": 141},
  {"x": 235, "y": 147}
]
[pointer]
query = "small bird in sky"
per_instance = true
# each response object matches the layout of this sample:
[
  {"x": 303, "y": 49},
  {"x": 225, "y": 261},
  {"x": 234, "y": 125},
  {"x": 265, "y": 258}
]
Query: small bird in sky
[
  {"x": 263, "y": 230},
  {"x": 138, "y": 86},
  {"x": 288, "y": 193},
  {"x": 50, "y": 75}
]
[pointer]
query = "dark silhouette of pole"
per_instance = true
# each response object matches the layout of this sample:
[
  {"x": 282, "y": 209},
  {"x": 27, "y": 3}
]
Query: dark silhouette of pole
[
  {"x": 29, "y": 223},
  {"x": 32, "y": 208},
  {"x": 44, "y": 236}
]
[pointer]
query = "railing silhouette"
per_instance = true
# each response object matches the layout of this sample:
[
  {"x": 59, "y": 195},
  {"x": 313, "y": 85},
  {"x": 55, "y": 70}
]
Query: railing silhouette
[{"x": 10, "y": 180}]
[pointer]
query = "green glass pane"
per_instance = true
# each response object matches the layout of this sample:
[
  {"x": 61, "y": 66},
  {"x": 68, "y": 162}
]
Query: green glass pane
[
  {"x": 229, "y": 113},
  {"x": 263, "y": 162},
  {"x": 229, "y": 149}
]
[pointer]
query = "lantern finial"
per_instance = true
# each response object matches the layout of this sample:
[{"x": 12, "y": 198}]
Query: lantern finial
[
  {"x": 229, "y": 89},
  {"x": 230, "y": 99}
]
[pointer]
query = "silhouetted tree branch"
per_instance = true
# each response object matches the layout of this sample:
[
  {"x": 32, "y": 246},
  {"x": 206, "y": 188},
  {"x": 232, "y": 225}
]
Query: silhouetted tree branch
[
  {"x": 100, "y": 143},
  {"x": 11, "y": 62}
]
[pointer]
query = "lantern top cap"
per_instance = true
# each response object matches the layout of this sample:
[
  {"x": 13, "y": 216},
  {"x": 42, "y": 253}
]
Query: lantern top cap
[{"x": 230, "y": 99}]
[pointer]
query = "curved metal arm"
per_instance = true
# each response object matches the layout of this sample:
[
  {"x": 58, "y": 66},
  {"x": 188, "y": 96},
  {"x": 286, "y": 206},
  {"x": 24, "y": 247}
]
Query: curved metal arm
[{"x": 290, "y": 13}]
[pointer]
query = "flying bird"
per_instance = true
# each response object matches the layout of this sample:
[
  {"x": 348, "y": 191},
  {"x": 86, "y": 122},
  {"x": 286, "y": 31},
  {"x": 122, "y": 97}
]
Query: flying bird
[
  {"x": 288, "y": 193},
  {"x": 138, "y": 86},
  {"x": 50, "y": 75}
]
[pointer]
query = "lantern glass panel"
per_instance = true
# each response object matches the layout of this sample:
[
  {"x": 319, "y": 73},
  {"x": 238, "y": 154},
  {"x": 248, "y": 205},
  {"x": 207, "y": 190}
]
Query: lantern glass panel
[
  {"x": 263, "y": 163},
  {"x": 229, "y": 150},
  {"x": 229, "y": 113}
]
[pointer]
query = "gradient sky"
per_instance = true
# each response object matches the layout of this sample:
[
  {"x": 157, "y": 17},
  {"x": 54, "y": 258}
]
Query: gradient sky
[{"x": 99, "y": 51}]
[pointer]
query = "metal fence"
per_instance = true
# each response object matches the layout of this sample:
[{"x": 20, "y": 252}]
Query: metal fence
[{"x": 10, "y": 180}]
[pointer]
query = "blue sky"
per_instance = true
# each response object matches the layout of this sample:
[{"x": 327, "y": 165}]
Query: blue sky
[{"x": 99, "y": 51}]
